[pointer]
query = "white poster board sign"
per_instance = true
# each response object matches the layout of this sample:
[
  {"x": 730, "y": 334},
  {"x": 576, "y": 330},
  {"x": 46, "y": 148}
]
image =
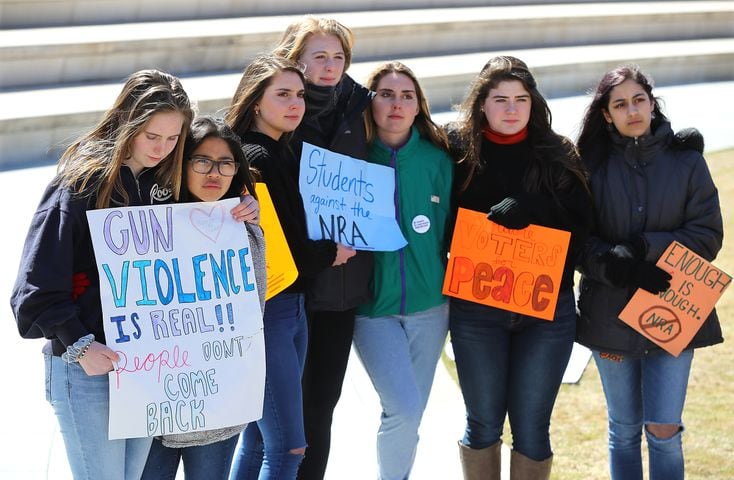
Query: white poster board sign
[
  {"x": 180, "y": 307},
  {"x": 348, "y": 200}
]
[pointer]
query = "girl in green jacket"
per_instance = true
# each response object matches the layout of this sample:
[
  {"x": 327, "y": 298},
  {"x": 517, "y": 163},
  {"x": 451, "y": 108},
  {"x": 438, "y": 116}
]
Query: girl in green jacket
[{"x": 399, "y": 335}]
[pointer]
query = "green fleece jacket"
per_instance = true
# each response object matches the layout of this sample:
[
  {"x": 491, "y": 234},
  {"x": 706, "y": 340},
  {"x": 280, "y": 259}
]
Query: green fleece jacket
[{"x": 409, "y": 280}]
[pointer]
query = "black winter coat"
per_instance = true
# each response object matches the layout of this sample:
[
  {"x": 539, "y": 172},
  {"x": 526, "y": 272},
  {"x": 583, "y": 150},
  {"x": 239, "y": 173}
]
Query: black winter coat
[
  {"x": 338, "y": 126},
  {"x": 654, "y": 187}
]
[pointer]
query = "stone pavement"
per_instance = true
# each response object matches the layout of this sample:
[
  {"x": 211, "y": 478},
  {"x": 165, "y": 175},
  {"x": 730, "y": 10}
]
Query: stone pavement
[{"x": 31, "y": 447}]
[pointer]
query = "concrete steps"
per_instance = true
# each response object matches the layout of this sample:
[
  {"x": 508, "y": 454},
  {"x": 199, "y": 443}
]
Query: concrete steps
[
  {"x": 33, "y": 120},
  {"x": 35, "y": 13},
  {"x": 56, "y": 81},
  {"x": 48, "y": 56}
]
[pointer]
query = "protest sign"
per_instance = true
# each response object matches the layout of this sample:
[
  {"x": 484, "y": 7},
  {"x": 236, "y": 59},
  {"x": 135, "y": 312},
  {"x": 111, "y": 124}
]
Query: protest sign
[
  {"x": 349, "y": 201},
  {"x": 279, "y": 261},
  {"x": 515, "y": 270},
  {"x": 672, "y": 318},
  {"x": 180, "y": 307}
]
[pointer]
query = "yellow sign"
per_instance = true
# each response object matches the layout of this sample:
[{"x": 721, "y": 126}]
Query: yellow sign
[
  {"x": 281, "y": 268},
  {"x": 515, "y": 270},
  {"x": 672, "y": 318}
]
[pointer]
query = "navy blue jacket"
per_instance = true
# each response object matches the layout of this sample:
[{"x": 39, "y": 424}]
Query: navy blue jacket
[
  {"x": 57, "y": 247},
  {"x": 650, "y": 187}
]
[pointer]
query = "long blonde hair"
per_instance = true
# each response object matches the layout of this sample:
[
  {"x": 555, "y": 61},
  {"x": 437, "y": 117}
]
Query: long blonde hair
[
  {"x": 293, "y": 42},
  {"x": 91, "y": 165}
]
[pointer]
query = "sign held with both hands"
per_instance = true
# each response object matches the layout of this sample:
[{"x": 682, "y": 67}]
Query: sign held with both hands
[{"x": 180, "y": 307}]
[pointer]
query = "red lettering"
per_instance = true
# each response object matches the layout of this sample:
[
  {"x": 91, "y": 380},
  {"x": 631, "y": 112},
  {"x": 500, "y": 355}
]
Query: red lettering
[
  {"x": 482, "y": 274},
  {"x": 543, "y": 284},
  {"x": 462, "y": 270},
  {"x": 503, "y": 293},
  {"x": 171, "y": 360}
]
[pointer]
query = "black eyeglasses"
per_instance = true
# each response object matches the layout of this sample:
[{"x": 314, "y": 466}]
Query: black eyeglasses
[{"x": 204, "y": 165}]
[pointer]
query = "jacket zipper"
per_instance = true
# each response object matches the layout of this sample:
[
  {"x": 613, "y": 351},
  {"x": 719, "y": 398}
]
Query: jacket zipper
[{"x": 401, "y": 252}]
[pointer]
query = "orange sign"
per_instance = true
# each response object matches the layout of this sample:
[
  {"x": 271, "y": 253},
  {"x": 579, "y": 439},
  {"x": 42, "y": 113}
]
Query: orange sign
[
  {"x": 515, "y": 270},
  {"x": 672, "y": 318},
  {"x": 281, "y": 269}
]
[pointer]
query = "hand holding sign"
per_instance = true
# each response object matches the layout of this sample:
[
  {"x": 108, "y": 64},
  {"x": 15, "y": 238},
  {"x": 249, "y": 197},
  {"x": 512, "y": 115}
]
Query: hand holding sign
[
  {"x": 625, "y": 271},
  {"x": 515, "y": 270},
  {"x": 672, "y": 317},
  {"x": 343, "y": 254},
  {"x": 98, "y": 359},
  {"x": 510, "y": 214},
  {"x": 349, "y": 201},
  {"x": 181, "y": 311}
]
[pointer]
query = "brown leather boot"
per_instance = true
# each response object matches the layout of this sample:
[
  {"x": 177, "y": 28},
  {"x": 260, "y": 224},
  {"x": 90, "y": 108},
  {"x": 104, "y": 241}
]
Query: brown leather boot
[
  {"x": 523, "y": 468},
  {"x": 482, "y": 464}
]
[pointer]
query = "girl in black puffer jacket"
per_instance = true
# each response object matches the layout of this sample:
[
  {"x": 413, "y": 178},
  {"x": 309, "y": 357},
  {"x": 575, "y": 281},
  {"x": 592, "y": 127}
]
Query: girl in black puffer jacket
[{"x": 650, "y": 188}]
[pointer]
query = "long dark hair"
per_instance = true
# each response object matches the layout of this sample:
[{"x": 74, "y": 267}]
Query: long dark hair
[
  {"x": 594, "y": 139},
  {"x": 555, "y": 155},
  {"x": 204, "y": 127}
]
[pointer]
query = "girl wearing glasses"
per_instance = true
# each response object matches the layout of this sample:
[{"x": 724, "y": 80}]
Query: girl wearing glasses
[
  {"x": 266, "y": 107},
  {"x": 216, "y": 169}
]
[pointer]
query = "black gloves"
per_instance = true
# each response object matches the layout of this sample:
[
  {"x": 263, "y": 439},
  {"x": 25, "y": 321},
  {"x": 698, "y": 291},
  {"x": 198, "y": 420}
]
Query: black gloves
[
  {"x": 626, "y": 271},
  {"x": 510, "y": 214}
]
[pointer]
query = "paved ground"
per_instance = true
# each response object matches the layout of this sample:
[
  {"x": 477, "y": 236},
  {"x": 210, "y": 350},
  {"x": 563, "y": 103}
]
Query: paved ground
[{"x": 31, "y": 445}]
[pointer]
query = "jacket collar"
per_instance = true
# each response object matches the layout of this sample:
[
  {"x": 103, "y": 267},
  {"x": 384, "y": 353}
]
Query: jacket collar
[
  {"x": 645, "y": 147},
  {"x": 405, "y": 149}
]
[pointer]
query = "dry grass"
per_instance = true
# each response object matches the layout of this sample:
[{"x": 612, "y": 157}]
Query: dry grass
[{"x": 578, "y": 426}]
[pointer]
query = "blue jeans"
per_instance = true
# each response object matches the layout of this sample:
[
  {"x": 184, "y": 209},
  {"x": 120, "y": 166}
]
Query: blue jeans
[
  {"x": 264, "y": 450},
  {"x": 81, "y": 404},
  {"x": 644, "y": 391},
  {"x": 400, "y": 353},
  {"x": 205, "y": 462},
  {"x": 511, "y": 364}
]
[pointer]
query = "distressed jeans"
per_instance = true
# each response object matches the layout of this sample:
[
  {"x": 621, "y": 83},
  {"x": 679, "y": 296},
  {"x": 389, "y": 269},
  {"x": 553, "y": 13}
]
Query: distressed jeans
[
  {"x": 263, "y": 452},
  {"x": 643, "y": 391}
]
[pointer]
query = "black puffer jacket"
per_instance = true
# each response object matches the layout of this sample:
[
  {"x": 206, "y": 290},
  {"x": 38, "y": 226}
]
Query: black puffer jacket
[
  {"x": 660, "y": 188},
  {"x": 335, "y": 121}
]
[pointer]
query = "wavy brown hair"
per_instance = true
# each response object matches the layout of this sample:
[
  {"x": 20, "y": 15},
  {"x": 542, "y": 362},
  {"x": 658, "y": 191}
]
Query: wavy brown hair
[
  {"x": 555, "y": 155},
  {"x": 427, "y": 128},
  {"x": 256, "y": 78},
  {"x": 91, "y": 164}
]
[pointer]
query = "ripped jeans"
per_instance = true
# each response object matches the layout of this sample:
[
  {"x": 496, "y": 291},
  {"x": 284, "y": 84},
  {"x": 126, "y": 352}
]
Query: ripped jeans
[
  {"x": 642, "y": 391},
  {"x": 265, "y": 445}
]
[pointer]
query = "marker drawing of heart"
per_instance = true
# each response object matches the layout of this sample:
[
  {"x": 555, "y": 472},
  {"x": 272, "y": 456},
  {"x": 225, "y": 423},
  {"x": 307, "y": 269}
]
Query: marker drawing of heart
[{"x": 208, "y": 223}]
